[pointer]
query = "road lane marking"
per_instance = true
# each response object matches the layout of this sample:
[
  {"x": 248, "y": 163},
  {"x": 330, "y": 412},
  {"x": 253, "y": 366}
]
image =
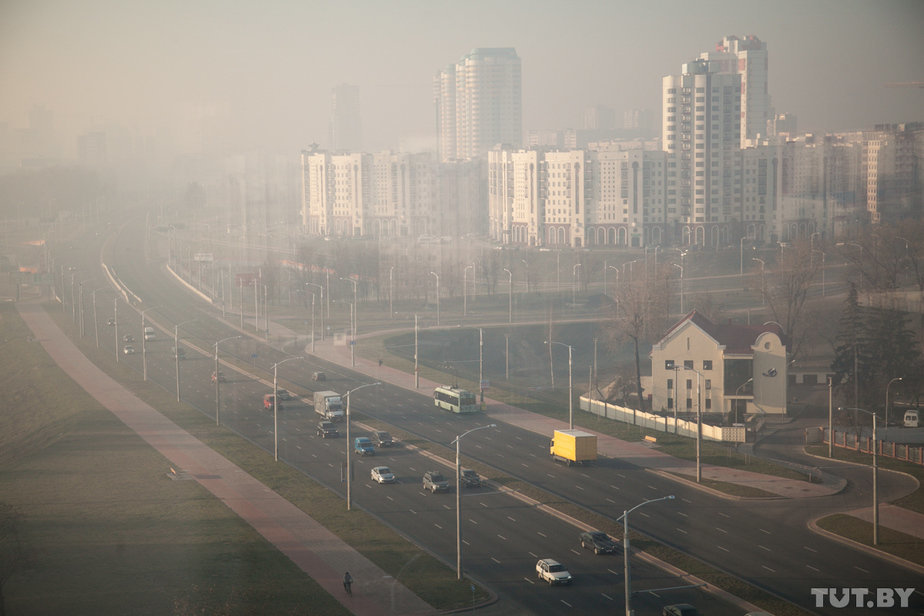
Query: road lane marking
[
  {"x": 606, "y": 596},
  {"x": 815, "y": 569},
  {"x": 610, "y": 500},
  {"x": 541, "y": 534},
  {"x": 724, "y": 515},
  {"x": 810, "y": 549},
  {"x": 764, "y": 548},
  {"x": 860, "y": 569},
  {"x": 614, "y": 487},
  {"x": 565, "y": 602},
  {"x": 438, "y": 526},
  {"x": 473, "y": 521},
  {"x": 495, "y": 560},
  {"x": 721, "y": 548},
  {"x": 503, "y": 537},
  {"x": 680, "y": 513},
  {"x": 681, "y": 530},
  {"x": 578, "y": 487},
  {"x": 511, "y": 519},
  {"x": 764, "y": 531},
  {"x": 721, "y": 530},
  {"x": 614, "y": 572},
  {"x": 769, "y": 569},
  {"x": 412, "y": 511}
]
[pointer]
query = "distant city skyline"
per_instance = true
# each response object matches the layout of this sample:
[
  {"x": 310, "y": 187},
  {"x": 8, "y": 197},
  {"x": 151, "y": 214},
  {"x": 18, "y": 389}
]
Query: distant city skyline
[{"x": 200, "y": 79}]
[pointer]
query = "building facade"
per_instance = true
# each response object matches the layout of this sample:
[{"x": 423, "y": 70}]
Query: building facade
[
  {"x": 479, "y": 103},
  {"x": 699, "y": 366}
]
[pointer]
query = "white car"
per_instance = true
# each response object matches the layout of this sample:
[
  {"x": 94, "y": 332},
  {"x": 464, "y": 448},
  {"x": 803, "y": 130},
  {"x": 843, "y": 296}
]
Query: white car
[
  {"x": 128, "y": 349},
  {"x": 383, "y": 474},
  {"x": 552, "y": 572}
]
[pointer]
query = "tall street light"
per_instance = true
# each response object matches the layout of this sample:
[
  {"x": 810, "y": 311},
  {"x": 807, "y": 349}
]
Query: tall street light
[
  {"x": 699, "y": 425},
  {"x": 321, "y": 287},
  {"x": 95, "y": 320},
  {"x": 355, "y": 319},
  {"x": 144, "y": 355},
  {"x": 437, "y": 297},
  {"x": 886, "y": 418},
  {"x": 481, "y": 364},
  {"x": 176, "y": 353},
  {"x": 276, "y": 405},
  {"x": 763, "y": 296},
  {"x": 574, "y": 282},
  {"x": 750, "y": 380},
  {"x": 391, "y": 291},
  {"x": 465, "y": 287},
  {"x": 875, "y": 474},
  {"x": 349, "y": 466},
  {"x": 570, "y": 382},
  {"x": 509, "y": 295},
  {"x": 218, "y": 380},
  {"x": 625, "y": 547},
  {"x": 681, "y": 286},
  {"x": 115, "y": 322},
  {"x": 457, "y": 441}
]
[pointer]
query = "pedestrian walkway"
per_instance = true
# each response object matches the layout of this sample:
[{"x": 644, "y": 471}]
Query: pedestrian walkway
[{"x": 318, "y": 552}]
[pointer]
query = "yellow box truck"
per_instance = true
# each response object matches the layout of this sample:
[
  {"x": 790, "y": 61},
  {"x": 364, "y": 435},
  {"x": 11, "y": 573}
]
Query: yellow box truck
[{"x": 573, "y": 447}]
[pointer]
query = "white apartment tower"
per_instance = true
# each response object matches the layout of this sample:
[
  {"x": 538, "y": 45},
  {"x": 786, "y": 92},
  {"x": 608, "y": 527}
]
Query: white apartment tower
[
  {"x": 701, "y": 131},
  {"x": 746, "y": 56},
  {"x": 479, "y": 103}
]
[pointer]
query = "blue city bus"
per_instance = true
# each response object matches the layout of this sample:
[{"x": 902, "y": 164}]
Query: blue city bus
[{"x": 455, "y": 400}]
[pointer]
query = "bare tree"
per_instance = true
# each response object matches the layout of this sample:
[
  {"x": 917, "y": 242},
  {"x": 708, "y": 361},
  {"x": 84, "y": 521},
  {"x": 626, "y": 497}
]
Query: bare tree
[{"x": 786, "y": 290}]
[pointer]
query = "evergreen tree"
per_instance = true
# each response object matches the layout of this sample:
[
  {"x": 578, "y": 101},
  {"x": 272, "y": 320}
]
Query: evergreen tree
[{"x": 852, "y": 364}]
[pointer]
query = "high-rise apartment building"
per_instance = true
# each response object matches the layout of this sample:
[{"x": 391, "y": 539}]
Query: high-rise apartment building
[
  {"x": 479, "y": 103},
  {"x": 346, "y": 133},
  {"x": 746, "y": 56}
]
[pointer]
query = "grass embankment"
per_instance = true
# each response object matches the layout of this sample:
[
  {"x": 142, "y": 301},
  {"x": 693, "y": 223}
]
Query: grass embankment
[
  {"x": 899, "y": 544},
  {"x": 181, "y": 551},
  {"x": 90, "y": 523}
]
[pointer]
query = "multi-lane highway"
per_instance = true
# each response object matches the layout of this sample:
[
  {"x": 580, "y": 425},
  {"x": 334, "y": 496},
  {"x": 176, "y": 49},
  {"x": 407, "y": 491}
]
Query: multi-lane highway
[{"x": 765, "y": 542}]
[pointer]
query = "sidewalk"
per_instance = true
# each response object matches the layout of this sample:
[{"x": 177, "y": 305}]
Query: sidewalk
[{"x": 318, "y": 552}]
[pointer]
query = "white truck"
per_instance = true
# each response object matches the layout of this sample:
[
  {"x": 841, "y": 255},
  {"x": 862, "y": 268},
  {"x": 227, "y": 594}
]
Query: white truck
[{"x": 329, "y": 405}]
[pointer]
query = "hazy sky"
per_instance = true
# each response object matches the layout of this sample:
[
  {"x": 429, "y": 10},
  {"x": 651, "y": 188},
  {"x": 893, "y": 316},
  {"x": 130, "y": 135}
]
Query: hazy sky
[{"x": 259, "y": 74}]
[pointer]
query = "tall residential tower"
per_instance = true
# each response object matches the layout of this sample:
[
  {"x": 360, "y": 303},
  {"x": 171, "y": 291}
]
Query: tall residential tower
[{"x": 479, "y": 103}]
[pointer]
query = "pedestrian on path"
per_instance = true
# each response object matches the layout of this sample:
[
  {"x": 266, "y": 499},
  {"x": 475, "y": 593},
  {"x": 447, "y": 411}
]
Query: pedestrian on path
[{"x": 347, "y": 582}]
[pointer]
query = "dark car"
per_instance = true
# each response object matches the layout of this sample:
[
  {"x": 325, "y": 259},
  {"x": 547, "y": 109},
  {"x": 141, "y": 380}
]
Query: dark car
[
  {"x": 178, "y": 353},
  {"x": 218, "y": 377},
  {"x": 319, "y": 376},
  {"x": 327, "y": 429},
  {"x": 382, "y": 439},
  {"x": 470, "y": 479},
  {"x": 128, "y": 338},
  {"x": 270, "y": 402},
  {"x": 599, "y": 542},
  {"x": 284, "y": 394}
]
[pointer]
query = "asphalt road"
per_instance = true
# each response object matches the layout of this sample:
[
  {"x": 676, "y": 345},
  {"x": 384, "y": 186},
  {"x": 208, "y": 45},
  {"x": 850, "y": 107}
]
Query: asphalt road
[{"x": 765, "y": 542}]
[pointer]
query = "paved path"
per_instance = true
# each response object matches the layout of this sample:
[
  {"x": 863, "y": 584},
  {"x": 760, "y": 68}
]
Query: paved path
[{"x": 317, "y": 551}]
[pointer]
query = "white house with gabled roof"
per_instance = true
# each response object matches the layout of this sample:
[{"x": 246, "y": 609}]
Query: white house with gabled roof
[{"x": 699, "y": 365}]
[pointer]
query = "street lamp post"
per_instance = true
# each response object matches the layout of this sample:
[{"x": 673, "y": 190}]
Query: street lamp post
[
  {"x": 875, "y": 474},
  {"x": 574, "y": 282},
  {"x": 458, "y": 441},
  {"x": 349, "y": 466},
  {"x": 526, "y": 263},
  {"x": 314, "y": 284},
  {"x": 416, "y": 359},
  {"x": 736, "y": 394},
  {"x": 886, "y": 413},
  {"x": 437, "y": 297},
  {"x": 763, "y": 295},
  {"x": 218, "y": 381},
  {"x": 509, "y": 295},
  {"x": 176, "y": 354},
  {"x": 570, "y": 382},
  {"x": 481, "y": 363},
  {"x": 625, "y": 548},
  {"x": 276, "y": 405},
  {"x": 681, "y": 286},
  {"x": 391, "y": 291},
  {"x": 355, "y": 317},
  {"x": 465, "y": 287},
  {"x": 699, "y": 425},
  {"x": 144, "y": 354},
  {"x": 115, "y": 323}
]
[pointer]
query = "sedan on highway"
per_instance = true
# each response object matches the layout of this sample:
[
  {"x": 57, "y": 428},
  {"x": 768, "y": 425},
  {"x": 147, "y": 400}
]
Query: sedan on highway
[
  {"x": 553, "y": 572},
  {"x": 327, "y": 429},
  {"x": 599, "y": 542},
  {"x": 128, "y": 349},
  {"x": 383, "y": 474}
]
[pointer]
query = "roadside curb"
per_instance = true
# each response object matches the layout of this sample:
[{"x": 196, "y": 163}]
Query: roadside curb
[{"x": 901, "y": 562}]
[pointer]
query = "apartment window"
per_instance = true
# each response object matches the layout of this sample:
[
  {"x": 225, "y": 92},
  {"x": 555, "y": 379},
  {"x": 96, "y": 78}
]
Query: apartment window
[
  {"x": 670, "y": 403},
  {"x": 668, "y": 364},
  {"x": 670, "y": 383},
  {"x": 708, "y": 383},
  {"x": 708, "y": 403},
  {"x": 707, "y": 364},
  {"x": 689, "y": 403}
]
